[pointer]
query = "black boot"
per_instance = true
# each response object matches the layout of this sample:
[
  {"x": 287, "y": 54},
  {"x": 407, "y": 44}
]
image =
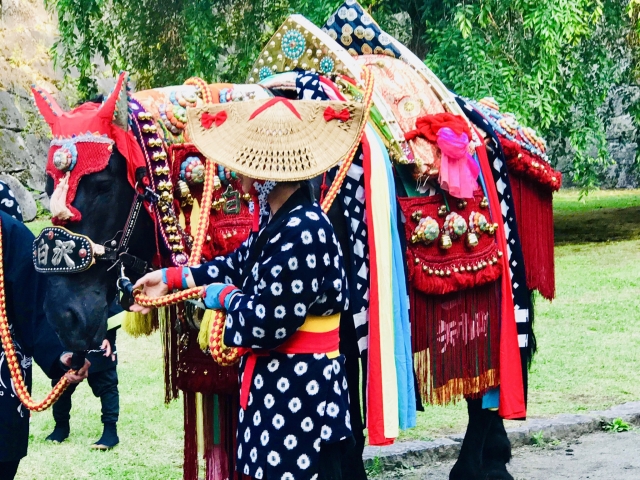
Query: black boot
[
  {"x": 496, "y": 452},
  {"x": 60, "y": 433},
  {"x": 109, "y": 438}
]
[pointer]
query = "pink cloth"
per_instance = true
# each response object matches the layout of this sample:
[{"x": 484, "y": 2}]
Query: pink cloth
[{"x": 458, "y": 171}]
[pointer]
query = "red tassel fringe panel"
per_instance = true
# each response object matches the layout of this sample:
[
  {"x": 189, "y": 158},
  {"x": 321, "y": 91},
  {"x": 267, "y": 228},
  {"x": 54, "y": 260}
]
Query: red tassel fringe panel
[
  {"x": 456, "y": 342},
  {"x": 534, "y": 215}
]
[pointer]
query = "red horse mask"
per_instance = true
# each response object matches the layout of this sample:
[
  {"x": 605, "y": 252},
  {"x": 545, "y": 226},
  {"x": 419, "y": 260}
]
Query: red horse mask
[{"x": 82, "y": 144}]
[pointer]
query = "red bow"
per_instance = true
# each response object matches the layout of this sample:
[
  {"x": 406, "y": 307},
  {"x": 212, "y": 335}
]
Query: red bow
[
  {"x": 330, "y": 114},
  {"x": 207, "y": 119},
  {"x": 429, "y": 125}
]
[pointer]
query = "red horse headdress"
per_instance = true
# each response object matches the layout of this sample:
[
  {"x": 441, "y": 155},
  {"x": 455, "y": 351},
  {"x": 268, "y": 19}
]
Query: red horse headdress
[{"x": 82, "y": 144}]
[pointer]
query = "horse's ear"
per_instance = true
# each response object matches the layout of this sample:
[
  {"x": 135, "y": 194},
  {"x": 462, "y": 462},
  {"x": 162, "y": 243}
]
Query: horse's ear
[
  {"x": 117, "y": 103},
  {"x": 46, "y": 104}
]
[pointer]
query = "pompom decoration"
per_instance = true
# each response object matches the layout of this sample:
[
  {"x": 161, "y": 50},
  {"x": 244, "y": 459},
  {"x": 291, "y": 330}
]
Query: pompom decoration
[
  {"x": 65, "y": 158},
  {"x": 192, "y": 171}
]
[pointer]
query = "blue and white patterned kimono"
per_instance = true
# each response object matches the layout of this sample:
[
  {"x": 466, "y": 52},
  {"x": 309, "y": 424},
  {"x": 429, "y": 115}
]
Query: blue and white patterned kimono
[{"x": 298, "y": 402}]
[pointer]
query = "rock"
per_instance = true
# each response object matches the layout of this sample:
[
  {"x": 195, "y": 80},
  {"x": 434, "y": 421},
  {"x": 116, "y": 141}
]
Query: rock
[
  {"x": 24, "y": 197},
  {"x": 10, "y": 116},
  {"x": 14, "y": 155},
  {"x": 44, "y": 200}
]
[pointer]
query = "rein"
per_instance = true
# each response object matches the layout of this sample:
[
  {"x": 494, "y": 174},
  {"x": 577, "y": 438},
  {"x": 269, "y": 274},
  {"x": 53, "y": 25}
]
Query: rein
[{"x": 12, "y": 359}]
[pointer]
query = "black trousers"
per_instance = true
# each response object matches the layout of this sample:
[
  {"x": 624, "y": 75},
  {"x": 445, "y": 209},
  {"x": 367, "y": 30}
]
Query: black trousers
[
  {"x": 8, "y": 470},
  {"x": 104, "y": 385}
]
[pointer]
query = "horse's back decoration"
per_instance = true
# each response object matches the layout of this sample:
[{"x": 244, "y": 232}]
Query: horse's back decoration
[{"x": 533, "y": 182}]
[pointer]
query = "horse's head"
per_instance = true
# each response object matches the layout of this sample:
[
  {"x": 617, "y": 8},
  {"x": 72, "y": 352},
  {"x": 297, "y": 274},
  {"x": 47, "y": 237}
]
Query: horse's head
[{"x": 91, "y": 185}]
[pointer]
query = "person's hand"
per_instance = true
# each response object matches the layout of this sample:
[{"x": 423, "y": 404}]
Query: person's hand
[
  {"x": 108, "y": 350},
  {"x": 80, "y": 375},
  {"x": 152, "y": 286}
]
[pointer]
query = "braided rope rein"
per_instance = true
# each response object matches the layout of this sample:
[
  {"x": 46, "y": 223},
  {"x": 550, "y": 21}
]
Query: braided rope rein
[{"x": 12, "y": 358}]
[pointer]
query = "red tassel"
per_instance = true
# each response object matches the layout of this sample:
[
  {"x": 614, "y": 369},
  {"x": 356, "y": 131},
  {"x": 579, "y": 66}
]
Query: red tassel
[
  {"x": 170, "y": 354},
  {"x": 190, "y": 467},
  {"x": 534, "y": 215}
]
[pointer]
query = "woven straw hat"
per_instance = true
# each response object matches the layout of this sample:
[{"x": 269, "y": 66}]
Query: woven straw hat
[{"x": 277, "y": 139}]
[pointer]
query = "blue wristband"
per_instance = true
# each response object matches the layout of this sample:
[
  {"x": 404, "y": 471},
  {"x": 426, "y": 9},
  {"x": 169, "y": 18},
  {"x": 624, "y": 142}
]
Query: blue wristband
[
  {"x": 185, "y": 273},
  {"x": 164, "y": 276}
]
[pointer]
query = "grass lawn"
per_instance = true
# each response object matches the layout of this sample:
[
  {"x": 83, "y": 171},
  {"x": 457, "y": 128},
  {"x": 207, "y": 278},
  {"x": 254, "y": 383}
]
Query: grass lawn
[{"x": 589, "y": 347}]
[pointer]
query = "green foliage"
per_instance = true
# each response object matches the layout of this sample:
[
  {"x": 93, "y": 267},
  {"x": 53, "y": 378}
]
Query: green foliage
[
  {"x": 616, "y": 426},
  {"x": 537, "y": 439},
  {"x": 551, "y": 62},
  {"x": 374, "y": 468}
]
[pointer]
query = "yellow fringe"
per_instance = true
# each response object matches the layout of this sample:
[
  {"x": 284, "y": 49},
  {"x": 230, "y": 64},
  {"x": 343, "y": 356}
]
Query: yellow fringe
[
  {"x": 205, "y": 329},
  {"x": 138, "y": 324}
]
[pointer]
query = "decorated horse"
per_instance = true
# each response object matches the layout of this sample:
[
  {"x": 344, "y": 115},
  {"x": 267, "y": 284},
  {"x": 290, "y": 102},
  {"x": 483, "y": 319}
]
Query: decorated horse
[{"x": 436, "y": 195}]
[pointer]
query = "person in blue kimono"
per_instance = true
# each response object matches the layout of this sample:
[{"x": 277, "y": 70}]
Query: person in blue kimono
[
  {"x": 33, "y": 337},
  {"x": 283, "y": 290}
]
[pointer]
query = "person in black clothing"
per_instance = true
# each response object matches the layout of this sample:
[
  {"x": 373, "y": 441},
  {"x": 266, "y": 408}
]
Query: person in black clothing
[
  {"x": 34, "y": 339},
  {"x": 103, "y": 380}
]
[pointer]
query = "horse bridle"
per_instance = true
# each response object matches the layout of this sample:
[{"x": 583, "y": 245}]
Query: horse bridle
[{"x": 58, "y": 250}]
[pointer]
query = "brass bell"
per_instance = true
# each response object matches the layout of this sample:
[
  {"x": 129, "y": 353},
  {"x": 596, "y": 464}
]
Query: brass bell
[
  {"x": 462, "y": 204},
  {"x": 417, "y": 215},
  {"x": 472, "y": 240},
  {"x": 484, "y": 203},
  {"x": 445, "y": 241},
  {"x": 246, "y": 197},
  {"x": 442, "y": 211},
  {"x": 414, "y": 239},
  {"x": 183, "y": 189}
]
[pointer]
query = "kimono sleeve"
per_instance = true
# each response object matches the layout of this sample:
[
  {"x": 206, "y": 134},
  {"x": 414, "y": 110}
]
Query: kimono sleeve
[
  {"x": 224, "y": 269},
  {"x": 287, "y": 281}
]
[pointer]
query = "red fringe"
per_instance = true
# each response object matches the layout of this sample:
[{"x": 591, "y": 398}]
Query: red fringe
[
  {"x": 198, "y": 372},
  {"x": 190, "y": 467},
  {"x": 534, "y": 215},
  {"x": 456, "y": 342},
  {"x": 170, "y": 351},
  {"x": 438, "y": 279}
]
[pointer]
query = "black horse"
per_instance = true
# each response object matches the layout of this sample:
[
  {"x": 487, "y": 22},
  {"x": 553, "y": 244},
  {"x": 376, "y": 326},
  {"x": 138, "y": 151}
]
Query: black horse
[{"x": 77, "y": 304}]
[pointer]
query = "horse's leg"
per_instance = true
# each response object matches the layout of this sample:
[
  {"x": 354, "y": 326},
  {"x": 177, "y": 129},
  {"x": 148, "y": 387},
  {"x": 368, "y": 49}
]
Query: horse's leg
[
  {"x": 497, "y": 451},
  {"x": 469, "y": 464}
]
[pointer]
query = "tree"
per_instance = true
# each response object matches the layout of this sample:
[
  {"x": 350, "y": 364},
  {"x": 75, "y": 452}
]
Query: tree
[{"x": 552, "y": 62}]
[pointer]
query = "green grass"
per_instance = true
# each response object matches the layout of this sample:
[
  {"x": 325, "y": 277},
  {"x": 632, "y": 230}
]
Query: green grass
[
  {"x": 588, "y": 337},
  {"x": 150, "y": 432},
  {"x": 601, "y": 216}
]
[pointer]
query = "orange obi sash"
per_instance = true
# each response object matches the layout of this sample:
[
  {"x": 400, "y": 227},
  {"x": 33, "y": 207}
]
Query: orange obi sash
[{"x": 316, "y": 335}]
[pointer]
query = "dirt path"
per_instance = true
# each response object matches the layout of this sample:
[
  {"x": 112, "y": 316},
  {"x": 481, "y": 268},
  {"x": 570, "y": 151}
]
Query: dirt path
[{"x": 600, "y": 456}]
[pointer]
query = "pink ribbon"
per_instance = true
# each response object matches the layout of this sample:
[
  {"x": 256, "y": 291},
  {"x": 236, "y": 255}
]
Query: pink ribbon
[{"x": 458, "y": 170}]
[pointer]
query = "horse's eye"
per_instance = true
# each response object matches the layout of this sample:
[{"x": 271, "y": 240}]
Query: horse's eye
[{"x": 103, "y": 187}]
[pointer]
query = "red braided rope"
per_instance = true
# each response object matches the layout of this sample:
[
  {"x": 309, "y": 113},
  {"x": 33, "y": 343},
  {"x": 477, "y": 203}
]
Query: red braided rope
[
  {"x": 207, "y": 97},
  {"x": 205, "y": 209},
  {"x": 12, "y": 358}
]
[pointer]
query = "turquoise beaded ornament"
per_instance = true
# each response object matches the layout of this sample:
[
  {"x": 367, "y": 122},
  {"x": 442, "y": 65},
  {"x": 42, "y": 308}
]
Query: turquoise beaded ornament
[
  {"x": 326, "y": 65},
  {"x": 293, "y": 44},
  {"x": 264, "y": 72}
]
